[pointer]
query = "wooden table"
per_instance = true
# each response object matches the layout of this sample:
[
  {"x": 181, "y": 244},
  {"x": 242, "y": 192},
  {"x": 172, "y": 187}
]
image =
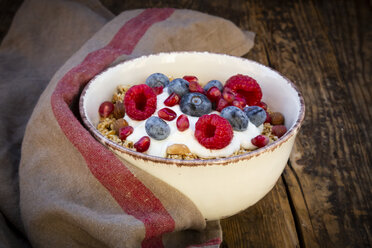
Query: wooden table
[{"x": 324, "y": 197}]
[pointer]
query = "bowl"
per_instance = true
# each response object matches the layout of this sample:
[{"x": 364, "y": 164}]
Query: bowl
[{"x": 218, "y": 187}]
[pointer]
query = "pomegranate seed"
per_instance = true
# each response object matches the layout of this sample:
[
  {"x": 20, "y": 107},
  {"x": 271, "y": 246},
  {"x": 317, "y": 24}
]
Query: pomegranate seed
[
  {"x": 167, "y": 114},
  {"x": 142, "y": 144},
  {"x": 124, "y": 132},
  {"x": 239, "y": 102},
  {"x": 262, "y": 105},
  {"x": 268, "y": 118},
  {"x": 158, "y": 90},
  {"x": 260, "y": 140},
  {"x": 279, "y": 130},
  {"x": 222, "y": 103},
  {"x": 182, "y": 123},
  {"x": 172, "y": 100},
  {"x": 214, "y": 94},
  {"x": 195, "y": 87},
  {"x": 191, "y": 79},
  {"x": 105, "y": 109},
  {"x": 228, "y": 95}
]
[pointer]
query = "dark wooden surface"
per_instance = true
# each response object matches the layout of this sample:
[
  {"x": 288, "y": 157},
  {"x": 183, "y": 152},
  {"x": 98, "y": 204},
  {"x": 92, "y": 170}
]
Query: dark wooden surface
[{"x": 324, "y": 197}]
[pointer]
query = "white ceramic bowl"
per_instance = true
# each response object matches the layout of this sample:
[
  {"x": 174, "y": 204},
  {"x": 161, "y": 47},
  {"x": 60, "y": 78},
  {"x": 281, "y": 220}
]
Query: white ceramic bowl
[{"x": 218, "y": 187}]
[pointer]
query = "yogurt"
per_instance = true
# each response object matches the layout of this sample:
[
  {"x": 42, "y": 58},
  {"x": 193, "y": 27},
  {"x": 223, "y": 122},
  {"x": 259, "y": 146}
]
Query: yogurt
[{"x": 159, "y": 147}]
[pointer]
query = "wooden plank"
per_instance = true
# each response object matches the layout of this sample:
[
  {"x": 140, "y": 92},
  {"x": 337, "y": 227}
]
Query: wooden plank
[
  {"x": 329, "y": 180},
  {"x": 268, "y": 223}
]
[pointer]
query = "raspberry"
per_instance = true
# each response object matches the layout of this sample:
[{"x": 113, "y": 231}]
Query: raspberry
[
  {"x": 140, "y": 102},
  {"x": 213, "y": 131},
  {"x": 246, "y": 87}
]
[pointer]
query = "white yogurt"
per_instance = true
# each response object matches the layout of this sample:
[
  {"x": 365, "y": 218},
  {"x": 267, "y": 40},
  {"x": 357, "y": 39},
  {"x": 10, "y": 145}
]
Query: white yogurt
[{"x": 159, "y": 147}]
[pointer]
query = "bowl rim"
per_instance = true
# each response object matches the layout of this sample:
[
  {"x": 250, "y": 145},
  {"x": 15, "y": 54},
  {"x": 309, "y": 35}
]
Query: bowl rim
[{"x": 195, "y": 162}]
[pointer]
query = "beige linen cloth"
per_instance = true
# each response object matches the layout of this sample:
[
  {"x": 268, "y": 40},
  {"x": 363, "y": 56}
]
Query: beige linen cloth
[{"x": 65, "y": 189}]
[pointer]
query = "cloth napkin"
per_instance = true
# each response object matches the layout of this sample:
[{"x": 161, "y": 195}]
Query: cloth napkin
[{"x": 68, "y": 190}]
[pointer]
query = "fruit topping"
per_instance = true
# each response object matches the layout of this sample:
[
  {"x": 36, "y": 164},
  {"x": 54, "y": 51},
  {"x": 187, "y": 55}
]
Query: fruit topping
[
  {"x": 195, "y": 104},
  {"x": 182, "y": 123},
  {"x": 213, "y": 131},
  {"x": 236, "y": 117},
  {"x": 156, "y": 128},
  {"x": 157, "y": 80},
  {"x": 279, "y": 130},
  {"x": 158, "y": 90},
  {"x": 195, "y": 87},
  {"x": 222, "y": 103},
  {"x": 213, "y": 83},
  {"x": 260, "y": 140},
  {"x": 239, "y": 102},
  {"x": 167, "y": 114},
  {"x": 213, "y": 94},
  {"x": 262, "y": 105},
  {"x": 255, "y": 114},
  {"x": 124, "y": 132},
  {"x": 277, "y": 118},
  {"x": 191, "y": 79},
  {"x": 178, "y": 149},
  {"x": 228, "y": 95},
  {"x": 172, "y": 100},
  {"x": 140, "y": 102},
  {"x": 142, "y": 144},
  {"x": 119, "y": 123},
  {"x": 268, "y": 118},
  {"x": 246, "y": 87},
  {"x": 105, "y": 109},
  {"x": 119, "y": 110},
  {"x": 179, "y": 86}
]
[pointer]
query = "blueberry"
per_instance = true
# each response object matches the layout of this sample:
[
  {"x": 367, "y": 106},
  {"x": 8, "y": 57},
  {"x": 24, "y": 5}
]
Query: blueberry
[
  {"x": 179, "y": 86},
  {"x": 157, "y": 80},
  {"x": 157, "y": 128},
  {"x": 237, "y": 118},
  {"x": 256, "y": 115},
  {"x": 213, "y": 83},
  {"x": 195, "y": 104}
]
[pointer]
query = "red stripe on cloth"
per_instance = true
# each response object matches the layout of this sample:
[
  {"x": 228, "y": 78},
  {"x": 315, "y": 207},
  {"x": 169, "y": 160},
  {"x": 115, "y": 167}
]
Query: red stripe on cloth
[{"x": 130, "y": 193}]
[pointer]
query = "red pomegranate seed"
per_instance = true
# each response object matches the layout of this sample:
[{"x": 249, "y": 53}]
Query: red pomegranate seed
[
  {"x": 195, "y": 87},
  {"x": 191, "y": 79},
  {"x": 262, "y": 105},
  {"x": 182, "y": 123},
  {"x": 172, "y": 100},
  {"x": 105, "y": 109},
  {"x": 142, "y": 144},
  {"x": 268, "y": 118},
  {"x": 214, "y": 94},
  {"x": 158, "y": 90},
  {"x": 239, "y": 102},
  {"x": 260, "y": 140},
  {"x": 228, "y": 95},
  {"x": 222, "y": 103},
  {"x": 279, "y": 130},
  {"x": 124, "y": 132},
  {"x": 167, "y": 114}
]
